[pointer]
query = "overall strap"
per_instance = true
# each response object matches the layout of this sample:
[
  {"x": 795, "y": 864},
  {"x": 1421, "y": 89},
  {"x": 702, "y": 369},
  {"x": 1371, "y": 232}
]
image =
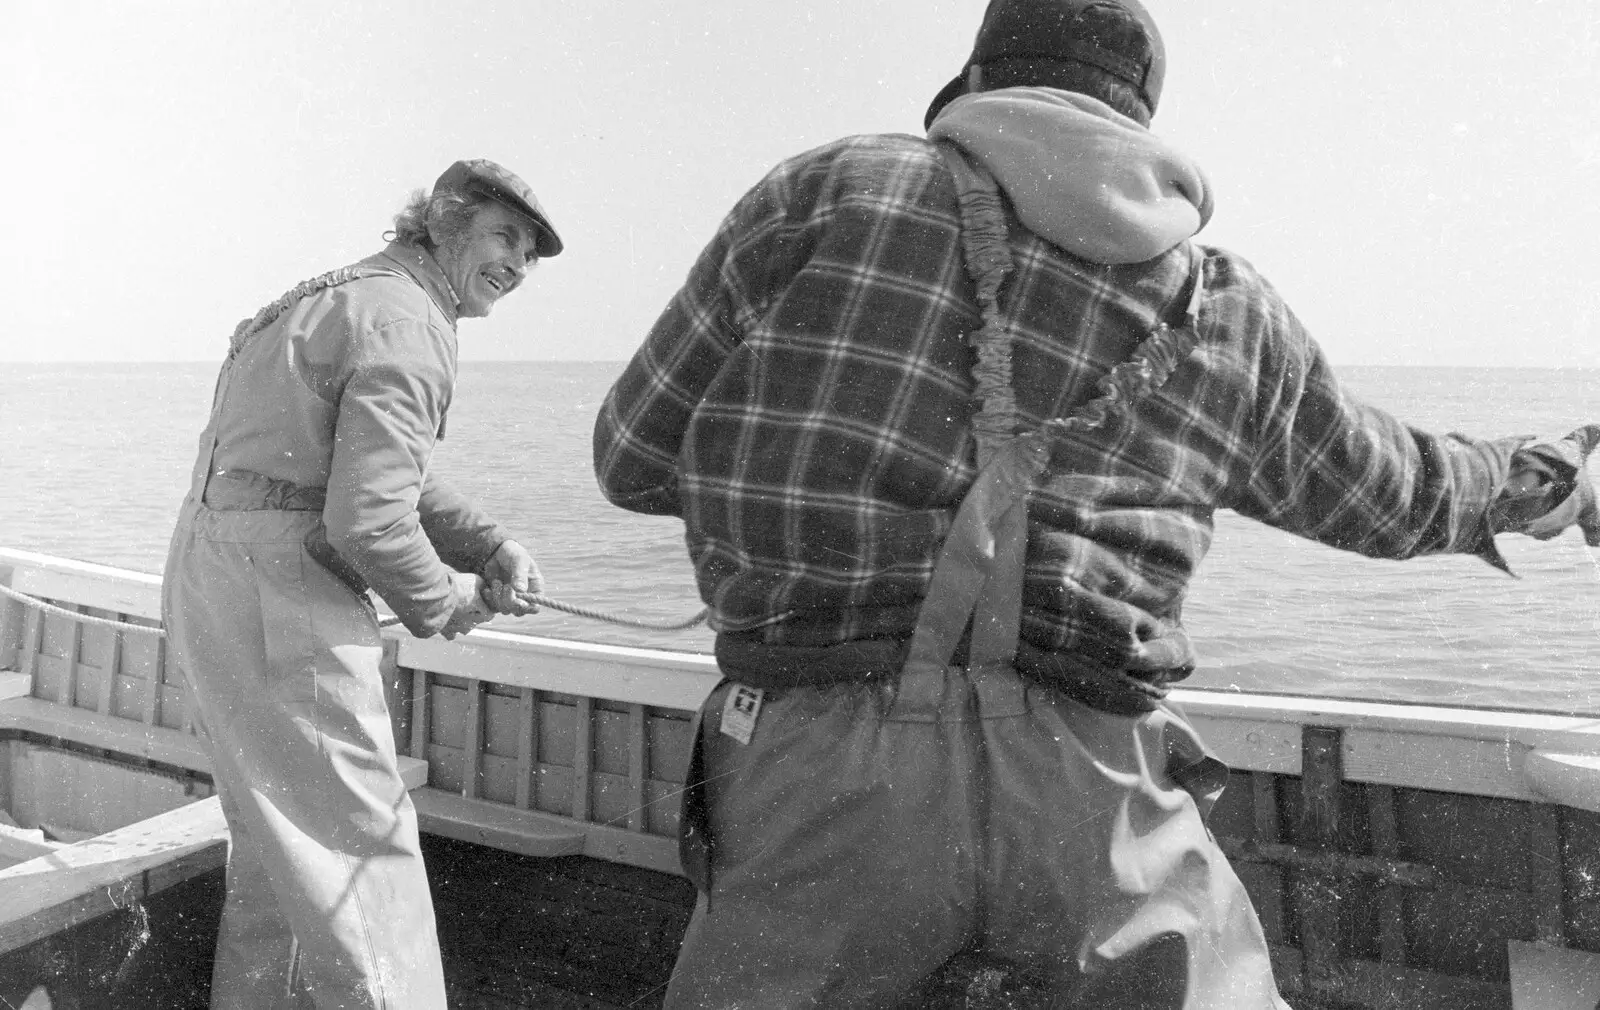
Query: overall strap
[
  {"x": 272, "y": 310},
  {"x": 979, "y": 570},
  {"x": 255, "y": 324}
]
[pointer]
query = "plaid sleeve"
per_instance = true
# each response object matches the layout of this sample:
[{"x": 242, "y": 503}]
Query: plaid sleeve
[
  {"x": 1351, "y": 476},
  {"x": 643, "y": 419}
]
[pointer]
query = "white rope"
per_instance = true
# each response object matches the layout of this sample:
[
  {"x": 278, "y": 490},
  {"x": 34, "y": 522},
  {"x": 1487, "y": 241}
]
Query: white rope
[
  {"x": 534, "y": 598},
  {"x": 594, "y": 615},
  {"x": 105, "y": 622},
  {"x": 599, "y": 615}
]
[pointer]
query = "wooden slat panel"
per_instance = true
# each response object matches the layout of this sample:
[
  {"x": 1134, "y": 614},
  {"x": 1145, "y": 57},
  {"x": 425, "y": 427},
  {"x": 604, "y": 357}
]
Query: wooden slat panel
[
  {"x": 68, "y": 687},
  {"x": 32, "y": 644},
  {"x": 1317, "y": 894},
  {"x": 582, "y": 759},
  {"x": 472, "y": 746},
  {"x": 152, "y": 703},
  {"x": 111, "y": 663},
  {"x": 638, "y": 760},
  {"x": 527, "y": 746},
  {"x": 1264, "y": 787},
  {"x": 1545, "y": 874},
  {"x": 1391, "y": 901},
  {"x": 13, "y": 617},
  {"x": 419, "y": 713}
]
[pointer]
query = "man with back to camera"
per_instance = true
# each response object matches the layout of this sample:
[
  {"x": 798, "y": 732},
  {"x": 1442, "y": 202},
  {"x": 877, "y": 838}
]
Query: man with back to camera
[
  {"x": 312, "y": 484},
  {"x": 947, "y": 421}
]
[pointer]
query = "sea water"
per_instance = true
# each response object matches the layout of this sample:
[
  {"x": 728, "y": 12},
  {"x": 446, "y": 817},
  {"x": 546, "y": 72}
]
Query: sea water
[{"x": 95, "y": 459}]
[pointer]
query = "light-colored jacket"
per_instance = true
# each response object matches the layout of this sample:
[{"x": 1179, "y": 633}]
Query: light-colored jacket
[{"x": 347, "y": 390}]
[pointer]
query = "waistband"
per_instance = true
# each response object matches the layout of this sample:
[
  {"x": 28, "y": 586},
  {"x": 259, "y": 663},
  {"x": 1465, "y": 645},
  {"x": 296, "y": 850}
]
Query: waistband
[
  {"x": 1101, "y": 687},
  {"x": 246, "y": 491}
]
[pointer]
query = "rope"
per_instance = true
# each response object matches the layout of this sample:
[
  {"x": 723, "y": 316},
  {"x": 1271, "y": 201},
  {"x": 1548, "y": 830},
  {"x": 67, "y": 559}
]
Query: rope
[
  {"x": 595, "y": 615},
  {"x": 534, "y": 598},
  {"x": 627, "y": 622},
  {"x": 105, "y": 622}
]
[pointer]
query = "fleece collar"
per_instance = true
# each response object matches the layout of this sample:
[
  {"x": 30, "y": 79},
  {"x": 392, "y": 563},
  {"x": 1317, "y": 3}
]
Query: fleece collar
[{"x": 1080, "y": 174}]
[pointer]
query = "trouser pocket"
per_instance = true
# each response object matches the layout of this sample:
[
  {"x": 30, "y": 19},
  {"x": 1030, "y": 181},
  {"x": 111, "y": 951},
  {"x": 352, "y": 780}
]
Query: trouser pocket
[{"x": 694, "y": 815}]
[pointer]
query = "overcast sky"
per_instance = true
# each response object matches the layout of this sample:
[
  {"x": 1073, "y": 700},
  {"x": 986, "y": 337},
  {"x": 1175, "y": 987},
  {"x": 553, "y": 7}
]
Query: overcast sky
[{"x": 1421, "y": 179}]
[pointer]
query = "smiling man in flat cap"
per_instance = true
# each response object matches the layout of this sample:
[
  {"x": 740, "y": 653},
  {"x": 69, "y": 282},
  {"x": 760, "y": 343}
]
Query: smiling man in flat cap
[{"x": 311, "y": 488}]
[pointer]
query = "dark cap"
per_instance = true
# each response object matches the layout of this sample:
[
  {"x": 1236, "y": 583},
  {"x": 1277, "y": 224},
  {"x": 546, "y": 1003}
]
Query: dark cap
[
  {"x": 480, "y": 175},
  {"x": 1118, "y": 36}
]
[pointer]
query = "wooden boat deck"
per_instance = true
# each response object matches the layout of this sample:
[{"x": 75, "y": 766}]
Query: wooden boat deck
[{"x": 1399, "y": 855}]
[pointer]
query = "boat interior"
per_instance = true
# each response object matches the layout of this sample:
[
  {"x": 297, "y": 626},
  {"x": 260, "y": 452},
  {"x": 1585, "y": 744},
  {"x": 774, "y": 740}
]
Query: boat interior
[{"x": 1399, "y": 855}]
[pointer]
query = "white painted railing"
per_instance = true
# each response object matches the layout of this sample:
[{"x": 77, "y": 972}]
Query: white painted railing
[{"x": 1484, "y": 752}]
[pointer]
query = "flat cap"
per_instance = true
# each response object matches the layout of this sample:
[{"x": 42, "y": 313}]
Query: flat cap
[{"x": 480, "y": 175}]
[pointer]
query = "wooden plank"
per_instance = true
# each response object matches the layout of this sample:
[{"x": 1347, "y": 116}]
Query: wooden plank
[
  {"x": 1545, "y": 977},
  {"x": 15, "y": 685},
  {"x": 615, "y": 673},
  {"x": 12, "y": 618},
  {"x": 527, "y": 747},
  {"x": 1569, "y": 779},
  {"x": 122, "y": 736},
  {"x": 152, "y": 705},
  {"x": 1264, "y": 805},
  {"x": 133, "y": 593},
  {"x": 1390, "y": 987},
  {"x": 105, "y": 861},
  {"x": 1317, "y": 893},
  {"x": 19, "y": 845},
  {"x": 413, "y": 771},
  {"x": 1391, "y": 902},
  {"x": 472, "y": 746},
  {"x": 111, "y": 663},
  {"x": 496, "y": 824},
  {"x": 32, "y": 643},
  {"x": 638, "y": 761},
  {"x": 1545, "y": 874},
  {"x": 68, "y": 688},
  {"x": 582, "y": 758},
  {"x": 420, "y": 711}
]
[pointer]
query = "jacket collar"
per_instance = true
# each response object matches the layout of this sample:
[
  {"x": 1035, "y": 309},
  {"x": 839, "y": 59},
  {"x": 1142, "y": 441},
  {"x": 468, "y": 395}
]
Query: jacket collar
[{"x": 420, "y": 265}]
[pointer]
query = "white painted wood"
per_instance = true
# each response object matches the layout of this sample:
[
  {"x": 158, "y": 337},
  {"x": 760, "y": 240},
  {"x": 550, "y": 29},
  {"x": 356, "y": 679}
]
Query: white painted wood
[
  {"x": 15, "y": 685},
  {"x": 1472, "y": 751},
  {"x": 106, "y": 860},
  {"x": 413, "y": 772},
  {"x": 1570, "y": 779},
  {"x": 118, "y": 589},
  {"x": 1544, "y": 977},
  {"x": 640, "y": 676},
  {"x": 123, "y": 736},
  {"x": 21, "y": 844},
  {"x": 1251, "y": 744},
  {"x": 500, "y": 825}
]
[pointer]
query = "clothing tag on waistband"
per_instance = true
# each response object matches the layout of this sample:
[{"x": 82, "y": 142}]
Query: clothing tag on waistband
[{"x": 739, "y": 712}]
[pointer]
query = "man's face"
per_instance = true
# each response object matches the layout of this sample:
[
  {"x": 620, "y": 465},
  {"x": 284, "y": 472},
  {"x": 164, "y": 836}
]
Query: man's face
[{"x": 488, "y": 259}]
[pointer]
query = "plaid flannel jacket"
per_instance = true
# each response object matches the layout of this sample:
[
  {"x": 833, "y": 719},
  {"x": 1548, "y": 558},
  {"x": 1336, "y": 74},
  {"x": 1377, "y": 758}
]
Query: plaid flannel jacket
[{"x": 804, "y": 404}]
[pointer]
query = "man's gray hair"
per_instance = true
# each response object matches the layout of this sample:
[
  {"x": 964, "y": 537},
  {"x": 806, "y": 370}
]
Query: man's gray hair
[{"x": 449, "y": 212}]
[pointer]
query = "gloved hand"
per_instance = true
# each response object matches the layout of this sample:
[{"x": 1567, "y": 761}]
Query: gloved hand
[
  {"x": 1550, "y": 489},
  {"x": 470, "y": 608},
  {"x": 510, "y": 574}
]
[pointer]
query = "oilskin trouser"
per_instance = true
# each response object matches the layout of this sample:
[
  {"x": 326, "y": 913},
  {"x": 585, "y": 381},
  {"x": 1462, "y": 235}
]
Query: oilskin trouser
[
  {"x": 871, "y": 831},
  {"x": 282, "y": 662}
]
